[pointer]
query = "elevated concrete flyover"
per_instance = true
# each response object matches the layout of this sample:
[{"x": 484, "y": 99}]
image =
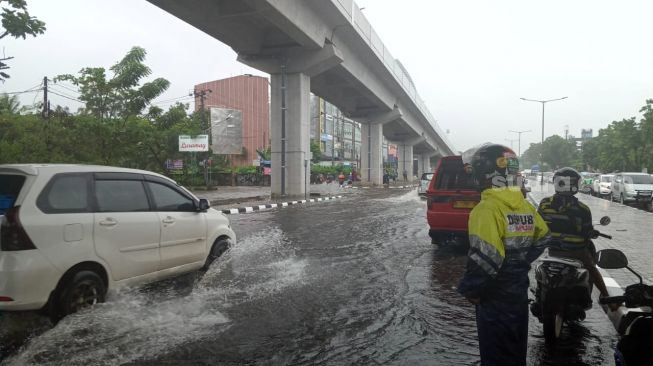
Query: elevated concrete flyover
[{"x": 329, "y": 48}]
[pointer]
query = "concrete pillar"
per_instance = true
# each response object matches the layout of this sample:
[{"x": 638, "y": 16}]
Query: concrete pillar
[
  {"x": 371, "y": 153},
  {"x": 426, "y": 163},
  {"x": 297, "y": 127},
  {"x": 420, "y": 166},
  {"x": 405, "y": 160}
]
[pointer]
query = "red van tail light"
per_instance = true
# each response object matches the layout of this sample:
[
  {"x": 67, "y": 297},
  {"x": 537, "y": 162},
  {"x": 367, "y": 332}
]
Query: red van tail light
[
  {"x": 13, "y": 236},
  {"x": 5, "y": 299}
]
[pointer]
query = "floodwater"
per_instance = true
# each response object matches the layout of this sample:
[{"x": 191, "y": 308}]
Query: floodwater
[{"x": 353, "y": 281}]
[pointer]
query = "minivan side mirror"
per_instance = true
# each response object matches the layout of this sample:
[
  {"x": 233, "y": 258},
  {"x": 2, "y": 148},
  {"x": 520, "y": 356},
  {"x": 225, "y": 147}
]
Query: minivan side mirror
[
  {"x": 203, "y": 205},
  {"x": 611, "y": 259}
]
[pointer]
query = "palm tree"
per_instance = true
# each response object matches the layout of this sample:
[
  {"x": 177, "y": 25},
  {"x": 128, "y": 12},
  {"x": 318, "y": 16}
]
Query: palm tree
[{"x": 9, "y": 104}]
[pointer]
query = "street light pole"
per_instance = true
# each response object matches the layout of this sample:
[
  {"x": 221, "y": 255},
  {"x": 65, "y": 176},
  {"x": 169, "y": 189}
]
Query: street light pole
[
  {"x": 519, "y": 140},
  {"x": 542, "y": 145}
]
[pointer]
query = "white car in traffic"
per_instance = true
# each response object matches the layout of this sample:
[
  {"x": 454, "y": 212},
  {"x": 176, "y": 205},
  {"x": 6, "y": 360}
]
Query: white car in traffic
[
  {"x": 601, "y": 186},
  {"x": 70, "y": 233}
]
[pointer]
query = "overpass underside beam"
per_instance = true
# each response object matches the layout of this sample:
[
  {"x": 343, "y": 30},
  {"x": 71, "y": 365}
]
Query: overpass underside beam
[{"x": 290, "y": 170}]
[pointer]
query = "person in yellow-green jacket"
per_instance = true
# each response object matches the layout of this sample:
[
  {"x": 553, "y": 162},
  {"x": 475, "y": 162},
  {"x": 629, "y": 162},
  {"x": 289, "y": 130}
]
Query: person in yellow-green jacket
[{"x": 506, "y": 234}]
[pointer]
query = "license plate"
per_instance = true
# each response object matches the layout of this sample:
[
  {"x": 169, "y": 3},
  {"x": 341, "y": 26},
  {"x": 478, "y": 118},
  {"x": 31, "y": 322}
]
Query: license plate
[{"x": 464, "y": 204}]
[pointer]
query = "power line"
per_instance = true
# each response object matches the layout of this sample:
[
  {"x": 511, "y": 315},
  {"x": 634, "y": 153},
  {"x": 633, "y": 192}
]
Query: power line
[
  {"x": 23, "y": 92},
  {"x": 172, "y": 99},
  {"x": 65, "y": 93},
  {"x": 67, "y": 88},
  {"x": 65, "y": 96}
]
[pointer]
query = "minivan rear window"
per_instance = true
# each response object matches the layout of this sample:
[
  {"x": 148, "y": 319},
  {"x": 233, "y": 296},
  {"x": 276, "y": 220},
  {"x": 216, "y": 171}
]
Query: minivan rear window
[
  {"x": 10, "y": 186},
  {"x": 452, "y": 176}
]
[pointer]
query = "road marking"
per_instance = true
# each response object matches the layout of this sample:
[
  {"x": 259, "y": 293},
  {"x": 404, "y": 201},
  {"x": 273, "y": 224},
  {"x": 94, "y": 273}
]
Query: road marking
[{"x": 235, "y": 211}]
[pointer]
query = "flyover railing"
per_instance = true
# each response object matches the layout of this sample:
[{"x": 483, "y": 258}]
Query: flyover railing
[{"x": 352, "y": 12}]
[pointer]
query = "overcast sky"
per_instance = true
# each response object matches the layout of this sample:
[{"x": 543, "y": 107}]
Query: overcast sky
[{"x": 471, "y": 60}]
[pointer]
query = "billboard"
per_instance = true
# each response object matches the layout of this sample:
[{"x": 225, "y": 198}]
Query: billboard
[
  {"x": 193, "y": 144},
  {"x": 226, "y": 131}
]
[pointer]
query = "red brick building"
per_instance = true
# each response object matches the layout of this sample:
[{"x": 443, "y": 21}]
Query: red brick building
[{"x": 249, "y": 94}]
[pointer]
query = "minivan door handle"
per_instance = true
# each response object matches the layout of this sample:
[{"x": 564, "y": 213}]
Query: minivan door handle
[
  {"x": 109, "y": 222},
  {"x": 169, "y": 220}
]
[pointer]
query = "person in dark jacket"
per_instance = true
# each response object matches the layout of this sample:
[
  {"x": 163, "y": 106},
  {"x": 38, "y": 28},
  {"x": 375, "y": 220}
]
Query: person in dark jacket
[
  {"x": 505, "y": 233},
  {"x": 570, "y": 222}
]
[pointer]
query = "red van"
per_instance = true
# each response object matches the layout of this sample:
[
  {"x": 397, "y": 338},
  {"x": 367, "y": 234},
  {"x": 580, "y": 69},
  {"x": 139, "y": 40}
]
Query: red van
[{"x": 451, "y": 196}]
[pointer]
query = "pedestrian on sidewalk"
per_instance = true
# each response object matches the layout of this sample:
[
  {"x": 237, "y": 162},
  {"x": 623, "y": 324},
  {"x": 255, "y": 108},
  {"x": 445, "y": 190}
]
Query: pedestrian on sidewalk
[
  {"x": 341, "y": 179},
  {"x": 405, "y": 176}
]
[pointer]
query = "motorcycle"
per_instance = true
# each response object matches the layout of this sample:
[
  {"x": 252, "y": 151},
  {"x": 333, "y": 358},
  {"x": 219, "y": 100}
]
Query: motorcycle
[
  {"x": 563, "y": 292},
  {"x": 634, "y": 320}
]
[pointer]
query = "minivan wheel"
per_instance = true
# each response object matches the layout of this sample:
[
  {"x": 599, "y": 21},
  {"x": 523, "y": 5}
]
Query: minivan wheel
[
  {"x": 84, "y": 290},
  {"x": 219, "y": 247}
]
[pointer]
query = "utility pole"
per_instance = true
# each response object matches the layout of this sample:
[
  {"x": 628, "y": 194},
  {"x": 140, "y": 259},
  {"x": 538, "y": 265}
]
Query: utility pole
[
  {"x": 46, "y": 103},
  {"x": 201, "y": 94},
  {"x": 543, "y": 102},
  {"x": 519, "y": 140}
]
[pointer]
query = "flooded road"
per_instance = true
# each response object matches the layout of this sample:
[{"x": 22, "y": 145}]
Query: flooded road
[{"x": 354, "y": 281}]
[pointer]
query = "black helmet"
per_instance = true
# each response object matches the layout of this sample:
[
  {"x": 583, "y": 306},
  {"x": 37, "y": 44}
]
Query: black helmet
[
  {"x": 493, "y": 165},
  {"x": 566, "y": 181}
]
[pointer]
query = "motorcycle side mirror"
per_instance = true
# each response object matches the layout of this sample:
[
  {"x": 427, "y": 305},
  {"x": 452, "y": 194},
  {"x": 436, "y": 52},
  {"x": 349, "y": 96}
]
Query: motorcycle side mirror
[
  {"x": 611, "y": 259},
  {"x": 605, "y": 221}
]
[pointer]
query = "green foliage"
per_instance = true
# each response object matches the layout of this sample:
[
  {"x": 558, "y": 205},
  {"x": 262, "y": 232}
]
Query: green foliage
[
  {"x": 265, "y": 154},
  {"x": 315, "y": 151},
  {"x": 120, "y": 96},
  {"x": 558, "y": 152},
  {"x": 9, "y": 104},
  {"x": 17, "y": 22},
  {"x": 136, "y": 142},
  {"x": 246, "y": 169},
  {"x": 625, "y": 145}
]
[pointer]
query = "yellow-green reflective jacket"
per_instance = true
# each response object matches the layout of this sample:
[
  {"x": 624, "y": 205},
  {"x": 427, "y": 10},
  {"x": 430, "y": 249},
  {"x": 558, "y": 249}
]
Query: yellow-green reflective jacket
[{"x": 505, "y": 234}]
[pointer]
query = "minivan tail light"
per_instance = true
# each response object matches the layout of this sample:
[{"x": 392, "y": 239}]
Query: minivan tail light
[
  {"x": 13, "y": 236},
  {"x": 5, "y": 299}
]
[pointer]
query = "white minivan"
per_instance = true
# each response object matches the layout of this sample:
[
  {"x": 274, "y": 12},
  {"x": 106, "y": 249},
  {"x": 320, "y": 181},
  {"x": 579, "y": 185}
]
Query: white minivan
[
  {"x": 70, "y": 233},
  {"x": 632, "y": 187}
]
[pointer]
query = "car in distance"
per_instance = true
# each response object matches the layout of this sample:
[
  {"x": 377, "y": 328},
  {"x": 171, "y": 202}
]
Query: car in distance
[
  {"x": 70, "y": 233},
  {"x": 424, "y": 182},
  {"x": 601, "y": 185},
  {"x": 451, "y": 196},
  {"x": 632, "y": 188}
]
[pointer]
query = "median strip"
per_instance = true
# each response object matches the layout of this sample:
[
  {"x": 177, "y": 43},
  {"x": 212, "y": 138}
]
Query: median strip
[{"x": 250, "y": 209}]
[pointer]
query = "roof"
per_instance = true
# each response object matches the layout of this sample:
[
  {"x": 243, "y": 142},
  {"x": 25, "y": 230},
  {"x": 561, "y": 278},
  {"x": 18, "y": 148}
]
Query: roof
[{"x": 33, "y": 169}]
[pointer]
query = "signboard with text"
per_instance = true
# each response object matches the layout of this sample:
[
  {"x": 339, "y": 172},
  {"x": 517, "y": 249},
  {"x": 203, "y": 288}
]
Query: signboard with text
[{"x": 193, "y": 143}]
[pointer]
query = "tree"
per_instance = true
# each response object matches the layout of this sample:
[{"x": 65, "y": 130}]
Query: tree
[
  {"x": 315, "y": 151},
  {"x": 531, "y": 156},
  {"x": 558, "y": 152},
  {"x": 9, "y": 104},
  {"x": 17, "y": 22},
  {"x": 120, "y": 96}
]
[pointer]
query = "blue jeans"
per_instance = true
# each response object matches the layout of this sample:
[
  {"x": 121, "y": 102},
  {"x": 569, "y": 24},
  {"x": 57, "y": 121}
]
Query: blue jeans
[{"x": 502, "y": 333}]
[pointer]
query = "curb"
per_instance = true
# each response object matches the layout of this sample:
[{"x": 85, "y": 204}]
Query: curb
[
  {"x": 249, "y": 209},
  {"x": 382, "y": 187}
]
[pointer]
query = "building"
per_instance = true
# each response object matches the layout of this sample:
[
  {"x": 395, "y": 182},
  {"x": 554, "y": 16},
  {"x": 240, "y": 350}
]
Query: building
[
  {"x": 248, "y": 94},
  {"x": 339, "y": 137}
]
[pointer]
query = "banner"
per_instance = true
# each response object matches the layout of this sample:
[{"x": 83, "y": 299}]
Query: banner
[
  {"x": 193, "y": 144},
  {"x": 227, "y": 131}
]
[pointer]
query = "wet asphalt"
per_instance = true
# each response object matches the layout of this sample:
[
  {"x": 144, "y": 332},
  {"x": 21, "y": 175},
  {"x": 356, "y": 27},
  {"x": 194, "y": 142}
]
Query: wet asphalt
[{"x": 348, "y": 282}]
